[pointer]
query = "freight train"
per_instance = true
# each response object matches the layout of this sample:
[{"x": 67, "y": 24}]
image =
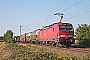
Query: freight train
[{"x": 57, "y": 34}]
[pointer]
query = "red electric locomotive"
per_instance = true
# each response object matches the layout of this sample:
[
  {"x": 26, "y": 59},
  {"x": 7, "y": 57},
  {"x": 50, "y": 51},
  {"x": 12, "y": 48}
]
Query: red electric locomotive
[{"x": 57, "y": 34}]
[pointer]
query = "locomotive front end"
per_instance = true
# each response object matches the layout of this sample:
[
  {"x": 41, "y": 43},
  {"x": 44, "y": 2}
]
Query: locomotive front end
[{"x": 66, "y": 34}]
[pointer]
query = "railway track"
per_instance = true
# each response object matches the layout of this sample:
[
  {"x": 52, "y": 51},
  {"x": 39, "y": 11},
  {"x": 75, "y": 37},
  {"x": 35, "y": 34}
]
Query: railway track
[
  {"x": 73, "y": 51},
  {"x": 80, "y": 52}
]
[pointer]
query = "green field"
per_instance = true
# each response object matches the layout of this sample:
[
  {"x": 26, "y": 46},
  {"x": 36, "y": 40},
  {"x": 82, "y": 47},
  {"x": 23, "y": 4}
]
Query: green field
[{"x": 31, "y": 52}]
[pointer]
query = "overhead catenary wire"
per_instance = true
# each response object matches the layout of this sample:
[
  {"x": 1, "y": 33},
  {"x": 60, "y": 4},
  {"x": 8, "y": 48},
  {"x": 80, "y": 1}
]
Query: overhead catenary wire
[
  {"x": 79, "y": 13},
  {"x": 64, "y": 10},
  {"x": 43, "y": 22},
  {"x": 75, "y": 14},
  {"x": 53, "y": 16},
  {"x": 72, "y": 5},
  {"x": 71, "y": 16},
  {"x": 50, "y": 11},
  {"x": 82, "y": 14}
]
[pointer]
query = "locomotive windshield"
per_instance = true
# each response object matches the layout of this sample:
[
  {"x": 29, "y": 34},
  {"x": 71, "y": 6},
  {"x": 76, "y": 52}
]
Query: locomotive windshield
[{"x": 63, "y": 28}]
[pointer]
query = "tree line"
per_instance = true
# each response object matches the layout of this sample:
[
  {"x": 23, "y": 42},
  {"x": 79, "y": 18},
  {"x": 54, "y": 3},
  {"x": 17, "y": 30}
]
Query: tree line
[
  {"x": 8, "y": 37},
  {"x": 82, "y": 34}
]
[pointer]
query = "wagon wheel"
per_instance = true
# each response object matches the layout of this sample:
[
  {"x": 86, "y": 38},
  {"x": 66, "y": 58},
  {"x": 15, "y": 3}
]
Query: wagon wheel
[
  {"x": 36, "y": 41},
  {"x": 31, "y": 42},
  {"x": 53, "y": 44},
  {"x": 56, "y": 44}
]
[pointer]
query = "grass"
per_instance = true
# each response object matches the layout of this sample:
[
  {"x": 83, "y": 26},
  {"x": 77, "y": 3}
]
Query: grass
[{"x": 33, "y": 52}]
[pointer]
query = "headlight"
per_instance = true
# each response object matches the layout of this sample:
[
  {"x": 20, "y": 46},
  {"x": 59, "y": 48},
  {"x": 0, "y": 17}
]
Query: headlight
[{"x": 58, "y": 35}]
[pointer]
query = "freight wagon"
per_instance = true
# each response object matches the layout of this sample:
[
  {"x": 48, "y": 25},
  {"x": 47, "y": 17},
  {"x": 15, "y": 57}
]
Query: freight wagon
[
  {"x": 23, "y": 38},
  {"x": 34, "y": 36}
]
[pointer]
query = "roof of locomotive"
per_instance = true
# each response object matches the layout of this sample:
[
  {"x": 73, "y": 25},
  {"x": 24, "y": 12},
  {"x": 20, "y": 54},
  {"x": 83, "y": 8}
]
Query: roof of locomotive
[{"x": 60, "y": 23}]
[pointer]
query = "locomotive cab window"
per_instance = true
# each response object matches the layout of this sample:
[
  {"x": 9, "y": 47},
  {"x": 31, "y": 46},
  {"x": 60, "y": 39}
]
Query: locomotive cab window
[
  {"x": 63, "y": 28},
  {"x": 69, "y": 28}
]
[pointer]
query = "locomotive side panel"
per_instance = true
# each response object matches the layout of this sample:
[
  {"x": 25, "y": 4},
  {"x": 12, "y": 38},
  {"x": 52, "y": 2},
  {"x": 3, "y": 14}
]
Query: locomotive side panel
[
  {"x": 45, "y": 34},
  {"x": 50, "y": 33},
  {"x": 55, "y": 31},
  {"x": 39, "y": 35}
]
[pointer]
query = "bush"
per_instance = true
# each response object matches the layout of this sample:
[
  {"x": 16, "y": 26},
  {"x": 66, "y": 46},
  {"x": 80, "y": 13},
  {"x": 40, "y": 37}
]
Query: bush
[{"x": 83, "y": 35}]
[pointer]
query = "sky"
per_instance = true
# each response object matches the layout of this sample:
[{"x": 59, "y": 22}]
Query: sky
[{"x": 33, "y": 14}]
